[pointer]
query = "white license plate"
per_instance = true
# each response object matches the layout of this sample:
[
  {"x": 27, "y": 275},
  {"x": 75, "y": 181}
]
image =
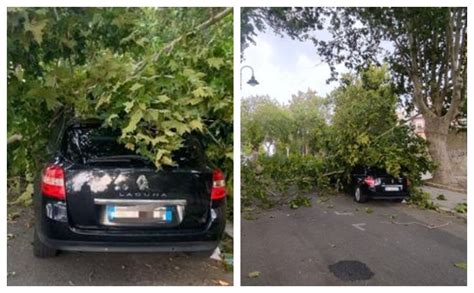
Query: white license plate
[
  {"x": 392, "y": 188},
  {"x": 138, "y": 212}
]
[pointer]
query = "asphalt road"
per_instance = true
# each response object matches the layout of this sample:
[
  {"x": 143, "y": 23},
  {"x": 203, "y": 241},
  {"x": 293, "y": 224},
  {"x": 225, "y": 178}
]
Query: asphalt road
[
  {"x": 114, "y": 269},
  {"x": 339, "y": 242}
]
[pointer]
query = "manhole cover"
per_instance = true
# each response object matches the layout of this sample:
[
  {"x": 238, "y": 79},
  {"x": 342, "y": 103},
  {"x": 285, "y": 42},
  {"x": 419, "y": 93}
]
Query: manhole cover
[{"x": 351, "y": 270}]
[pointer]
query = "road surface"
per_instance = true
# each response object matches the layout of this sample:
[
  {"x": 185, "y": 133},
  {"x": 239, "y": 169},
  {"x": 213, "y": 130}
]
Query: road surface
[
  {"x": 133, "y": 269},
  {"x": 340, "y": 242}
]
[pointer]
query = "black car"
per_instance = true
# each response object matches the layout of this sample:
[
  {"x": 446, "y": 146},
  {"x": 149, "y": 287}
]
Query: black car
[
  {"x": 375, "y": 183},
  {"x": 96, "y": 195}
]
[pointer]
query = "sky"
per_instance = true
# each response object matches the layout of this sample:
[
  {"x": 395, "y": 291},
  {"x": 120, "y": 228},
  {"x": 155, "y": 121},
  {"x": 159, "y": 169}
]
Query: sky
[{"x": 284, "y": 66}]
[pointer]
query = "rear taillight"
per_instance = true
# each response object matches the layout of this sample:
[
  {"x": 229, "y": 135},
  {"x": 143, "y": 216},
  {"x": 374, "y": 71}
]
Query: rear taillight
[
  {"x": 408, "y": 182},
  {"x": 52, "y": 184},
  {"x": 370, "y": 181},
  {"x": 218, "y": 185}
]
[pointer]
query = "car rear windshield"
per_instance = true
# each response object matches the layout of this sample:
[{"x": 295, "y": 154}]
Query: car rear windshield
[{"x": 87, "y": 143}]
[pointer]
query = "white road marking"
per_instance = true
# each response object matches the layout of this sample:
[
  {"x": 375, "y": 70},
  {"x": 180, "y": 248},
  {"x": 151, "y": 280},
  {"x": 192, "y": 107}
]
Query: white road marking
[{"x": 359, "y": 226}]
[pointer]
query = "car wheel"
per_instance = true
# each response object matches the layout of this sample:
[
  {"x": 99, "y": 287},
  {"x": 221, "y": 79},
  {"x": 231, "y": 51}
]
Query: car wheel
[
  {"x": 40, "y": 250},
  {"x": 359, "y": 196}
]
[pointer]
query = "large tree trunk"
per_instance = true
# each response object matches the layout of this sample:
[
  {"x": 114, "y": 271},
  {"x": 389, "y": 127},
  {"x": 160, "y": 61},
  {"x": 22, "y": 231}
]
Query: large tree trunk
[{"x": 436, "y": 130}]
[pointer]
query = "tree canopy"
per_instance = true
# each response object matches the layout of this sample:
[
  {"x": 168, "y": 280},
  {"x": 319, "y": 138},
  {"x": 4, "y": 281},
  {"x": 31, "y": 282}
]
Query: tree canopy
[
  {"x": 153, "y": 73},
  {"x": 425, "y": 49}
]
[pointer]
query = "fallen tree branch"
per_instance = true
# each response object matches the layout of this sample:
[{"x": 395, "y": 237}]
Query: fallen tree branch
[
  {"x": 332, "y": 173},
  {"x": 418, "y": 223},
  {"x": 166, "y": 49}
]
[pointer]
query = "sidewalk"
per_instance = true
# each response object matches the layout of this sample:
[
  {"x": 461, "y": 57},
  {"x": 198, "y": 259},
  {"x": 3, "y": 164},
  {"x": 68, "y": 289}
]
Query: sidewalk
[{"x": 452, "y": 198}]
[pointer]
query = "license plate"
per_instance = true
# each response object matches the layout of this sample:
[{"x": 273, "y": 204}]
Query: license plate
[
  {"x": 392, "y": 188},
  {"x": 161, "y": 214}
]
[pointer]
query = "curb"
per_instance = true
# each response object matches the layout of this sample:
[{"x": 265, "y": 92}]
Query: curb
[{"x": 440, "y": 186}]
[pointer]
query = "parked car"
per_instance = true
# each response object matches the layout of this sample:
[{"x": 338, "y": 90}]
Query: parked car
[
  {"x": 96, "y": 195},
  {"x": 375, "y": 183}
]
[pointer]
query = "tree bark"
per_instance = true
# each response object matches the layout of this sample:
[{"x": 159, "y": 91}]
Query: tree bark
[{"x": 436, "y": 130}]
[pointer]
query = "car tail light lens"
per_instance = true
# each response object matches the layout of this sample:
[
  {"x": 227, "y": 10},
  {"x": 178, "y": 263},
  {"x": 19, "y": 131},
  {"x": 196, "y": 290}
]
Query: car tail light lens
[
  {"x": 370, "y": 181},
  {"x": 218, "y": 185},
  {"x": 52, "y": 184}
]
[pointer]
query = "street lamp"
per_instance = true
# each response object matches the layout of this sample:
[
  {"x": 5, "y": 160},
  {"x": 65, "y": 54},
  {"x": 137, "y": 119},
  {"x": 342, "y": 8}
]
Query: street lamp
[{"x": 252, "y": 81}]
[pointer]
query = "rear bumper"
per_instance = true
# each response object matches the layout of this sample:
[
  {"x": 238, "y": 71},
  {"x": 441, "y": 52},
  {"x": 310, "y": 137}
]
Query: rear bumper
[
  {"x": 387, "y": 195},
  {"x": 61, "y": 236},
  {"x": 107, "y": 246}
]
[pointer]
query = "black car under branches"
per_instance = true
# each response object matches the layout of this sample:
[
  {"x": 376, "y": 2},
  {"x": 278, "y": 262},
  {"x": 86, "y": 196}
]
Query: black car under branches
[
  {"x": 95, "y": 195},
  {"x": 375, "y": 183}
]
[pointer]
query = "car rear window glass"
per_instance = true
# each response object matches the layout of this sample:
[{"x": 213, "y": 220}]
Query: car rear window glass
[
  {"x": 91, "y": 142},
  {"x": 85, "y": 143}
]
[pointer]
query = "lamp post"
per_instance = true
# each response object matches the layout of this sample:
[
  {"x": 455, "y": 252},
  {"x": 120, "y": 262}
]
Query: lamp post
[{"x": 252, "y": 81}]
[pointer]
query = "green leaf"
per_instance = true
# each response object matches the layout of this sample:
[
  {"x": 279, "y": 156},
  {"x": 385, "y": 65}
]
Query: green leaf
[
  {"x": 202, "y": 92},
  {"x": 461, "y": 265},
  {"x": 26, "y": 198},
  {"x": 36, "y": 28},
  {"x": 132, "y": 124},
  {"x": 163, "y": 98},
  {"x": 215, "y": 62},
  {"x": 195, "y": 101},
  {"x": 128, "y": 105},
  {"x": 109, "y": 119},
  {"x": 180, "y": 127},
  {"x": 195, "y": 124},
  {"x": 136, "y": 86},
  {"x": 254, "y": 274},
  {"x": 104, "y": 100}
]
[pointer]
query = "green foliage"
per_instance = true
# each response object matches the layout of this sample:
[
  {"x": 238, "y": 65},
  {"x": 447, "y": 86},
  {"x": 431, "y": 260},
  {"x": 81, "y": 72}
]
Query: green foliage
[
  {"x": 461, "y": 265},
  {"x": 292, "y": 128},
  {"x": 426, "y": 55},
  {"x": 154, "y": 73},
  {"x": 461, "y": 208},
  {"x": 272, "y": 180},
  {"x": 421, "y": 199},
  {"x": 365, "y": 129},
  {"x": 441, "y": 197},
  {"x": 300, "y": 201}
]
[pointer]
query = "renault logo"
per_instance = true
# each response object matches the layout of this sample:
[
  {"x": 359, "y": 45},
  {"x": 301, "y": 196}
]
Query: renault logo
[{"x": 142, "y": 183}]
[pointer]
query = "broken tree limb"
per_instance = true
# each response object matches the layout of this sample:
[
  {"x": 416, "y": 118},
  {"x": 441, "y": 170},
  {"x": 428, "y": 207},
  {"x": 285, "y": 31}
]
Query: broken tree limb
[
  {"x": 418, "y": 223},
  {"x": 166, "y": 49}
]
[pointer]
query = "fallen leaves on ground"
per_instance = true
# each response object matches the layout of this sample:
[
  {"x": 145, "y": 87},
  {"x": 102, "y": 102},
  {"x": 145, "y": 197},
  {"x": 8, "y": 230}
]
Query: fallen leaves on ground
[
  {"x": 221, "y": 282},
  {"x": 13, "y": 216},
  {"x": 254, "y": 274},
  {"x": 441, "y": 197},
  {"x": 461, "y": 265}
]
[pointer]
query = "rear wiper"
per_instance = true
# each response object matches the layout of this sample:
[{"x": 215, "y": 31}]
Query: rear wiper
[{"x": 119, "y": 158}]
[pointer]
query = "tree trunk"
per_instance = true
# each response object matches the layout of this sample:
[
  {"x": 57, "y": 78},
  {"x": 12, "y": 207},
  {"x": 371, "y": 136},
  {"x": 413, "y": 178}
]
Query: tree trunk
[{"x": 437, "y": 136}]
